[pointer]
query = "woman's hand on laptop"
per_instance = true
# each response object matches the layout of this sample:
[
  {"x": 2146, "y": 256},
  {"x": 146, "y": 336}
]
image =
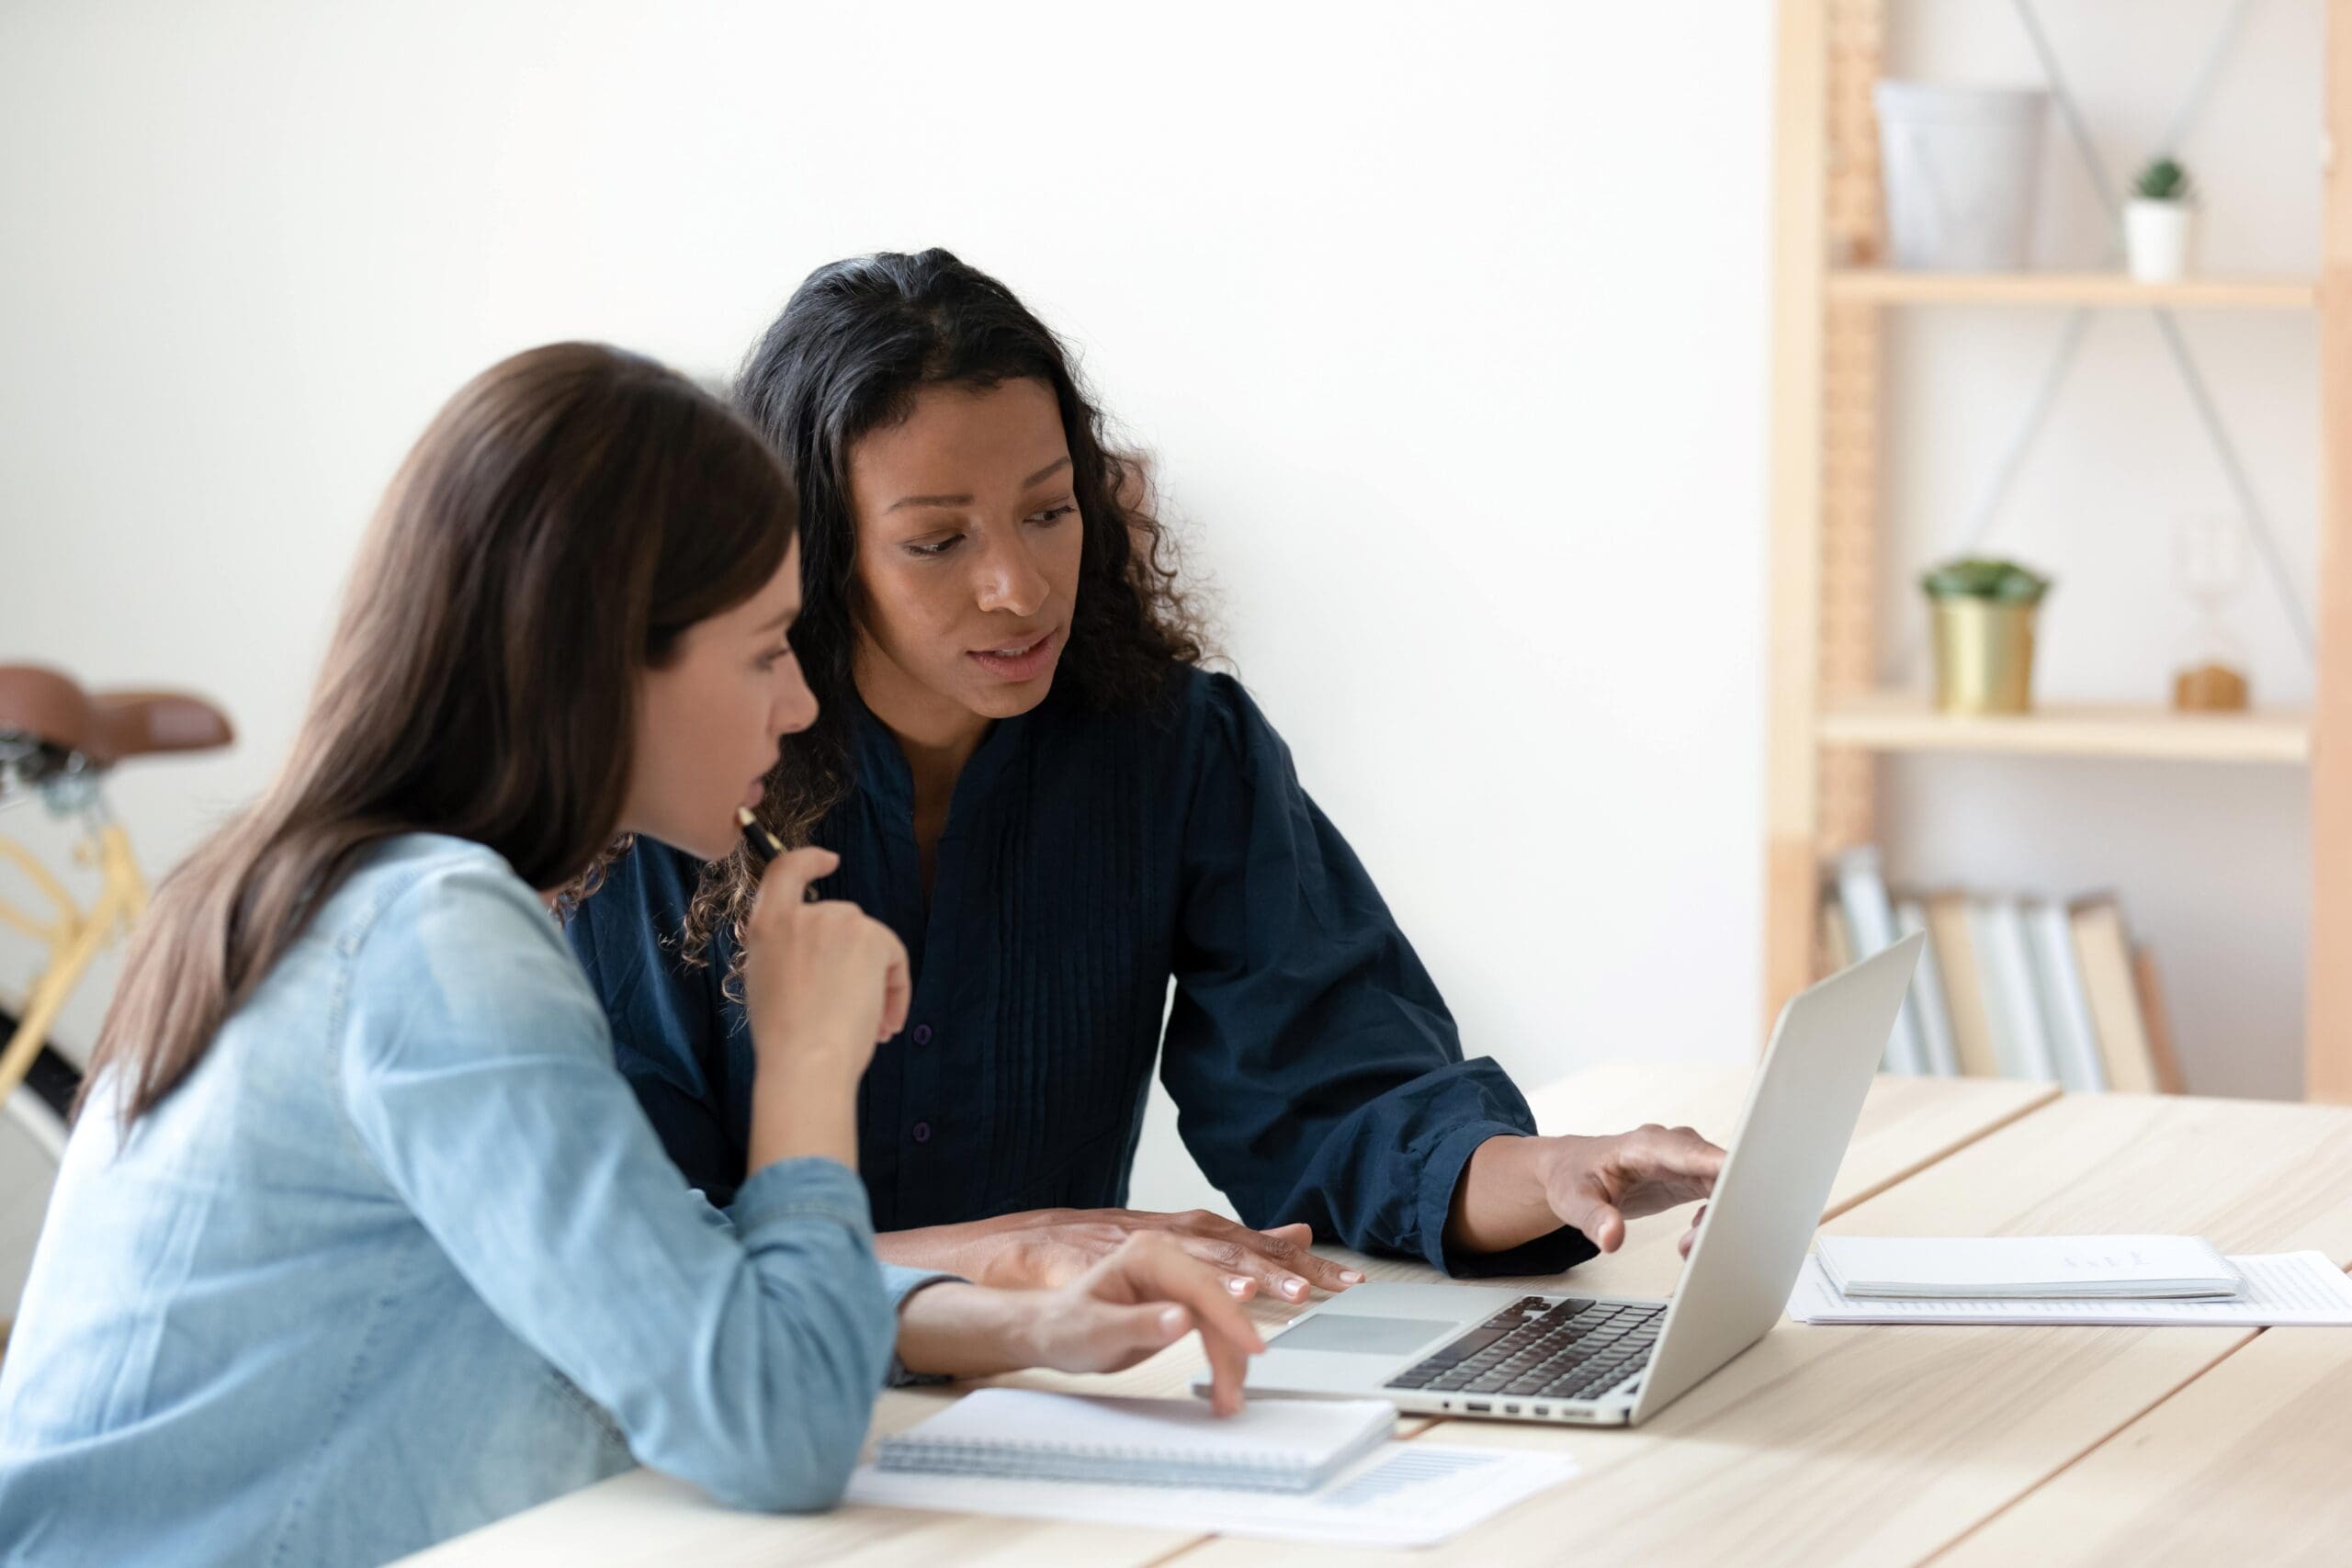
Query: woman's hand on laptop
[
  {"x": 1515, "y": 1189},
  {"x": 1051, "y": 1247},
  {"x": 1142, "y": 1297}
]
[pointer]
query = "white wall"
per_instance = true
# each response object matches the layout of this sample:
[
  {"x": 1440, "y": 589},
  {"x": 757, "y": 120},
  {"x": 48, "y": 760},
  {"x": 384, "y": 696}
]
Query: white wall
[{"x": 1447, "y": 324}]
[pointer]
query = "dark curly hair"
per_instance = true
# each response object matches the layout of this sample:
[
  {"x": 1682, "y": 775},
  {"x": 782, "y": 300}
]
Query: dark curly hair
[{"x": 854, "y": 344}]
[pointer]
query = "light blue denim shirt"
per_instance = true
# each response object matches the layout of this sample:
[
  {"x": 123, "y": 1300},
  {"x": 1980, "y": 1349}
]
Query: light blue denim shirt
[{"x": 403, "y": 1255}]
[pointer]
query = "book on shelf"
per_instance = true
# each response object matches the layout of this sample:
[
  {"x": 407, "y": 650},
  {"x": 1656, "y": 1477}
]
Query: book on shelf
[
  {"x": 2065, "y": 1008},
  {"x": 2105, "y": 957},
  {"x": 2009, "y": 986},
  {"x": 1955, "y": 951},
  {"x": 2158, "y": 1023},
  {"x": 1870, "y": 922},
  {"x": 1940, "y": 1051},
  {"x": 2020, "y": 1039},
  {"x": 1837, "y": 947}
]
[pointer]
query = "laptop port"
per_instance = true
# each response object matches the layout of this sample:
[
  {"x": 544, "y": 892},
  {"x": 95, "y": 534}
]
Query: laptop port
[
  {"x": 1542, "y": 1410},
  {"x": 1511, "y": 1409},
  {"x": 1477, "y": 1404}
]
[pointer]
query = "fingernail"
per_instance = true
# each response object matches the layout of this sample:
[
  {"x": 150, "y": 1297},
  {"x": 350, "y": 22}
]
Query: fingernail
[
  {"x": 1294, "y": 1288},
  {"x": 1239, "y": 1287},
  {"x": 1352, "y": 1275},
  {"x": 1171, "y": 1322}
]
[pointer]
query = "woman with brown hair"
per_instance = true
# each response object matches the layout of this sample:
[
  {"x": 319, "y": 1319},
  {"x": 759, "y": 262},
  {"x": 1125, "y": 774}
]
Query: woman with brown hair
[{"x": 360, "y": 1240}]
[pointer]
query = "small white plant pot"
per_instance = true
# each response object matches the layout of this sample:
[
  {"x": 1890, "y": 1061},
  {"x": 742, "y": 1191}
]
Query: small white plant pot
[{"x": 2156, "y": 236}]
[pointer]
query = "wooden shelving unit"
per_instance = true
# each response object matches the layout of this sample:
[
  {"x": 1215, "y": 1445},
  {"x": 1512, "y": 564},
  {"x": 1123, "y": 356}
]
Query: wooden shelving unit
[
  {"x": 1894, "y": 721},
  {"x": 1829, "y": 719},
  {"x": 2105, "y": 289}
]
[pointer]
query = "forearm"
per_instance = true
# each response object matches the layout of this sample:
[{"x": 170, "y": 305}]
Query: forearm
[
  {"x": 965, "y": 1331},
  {"x": 1500, "y": 1203},
  {"x": 1379, "y": 1178},
  {"x": 951, "y": 1250},
  {"x": 803, "y": 1109}
]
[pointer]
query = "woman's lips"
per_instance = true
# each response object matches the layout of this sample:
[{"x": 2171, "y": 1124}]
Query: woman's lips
[{"x": 1025, "y": 664}]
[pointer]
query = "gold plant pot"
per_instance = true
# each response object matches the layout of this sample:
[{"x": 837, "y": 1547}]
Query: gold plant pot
[{"x": 1984, "y": 655}]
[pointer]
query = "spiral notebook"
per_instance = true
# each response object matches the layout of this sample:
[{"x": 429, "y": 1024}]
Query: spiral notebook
[{"x": 1273, "y": 1444}]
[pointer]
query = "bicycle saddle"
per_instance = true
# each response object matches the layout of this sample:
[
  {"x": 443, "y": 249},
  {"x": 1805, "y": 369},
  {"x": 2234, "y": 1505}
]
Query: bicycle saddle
[{"x": 49, "y": 709}]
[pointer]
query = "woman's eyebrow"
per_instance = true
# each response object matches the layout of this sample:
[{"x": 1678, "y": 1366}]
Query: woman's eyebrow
[
  {"x": 1040, "y": 477},
  {"x": 965, "y": 500}
]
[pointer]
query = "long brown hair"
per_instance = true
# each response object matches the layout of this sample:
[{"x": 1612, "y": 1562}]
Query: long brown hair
[
  {"x": 858, "y": 339},
  {"x": 556, "y": 528}
]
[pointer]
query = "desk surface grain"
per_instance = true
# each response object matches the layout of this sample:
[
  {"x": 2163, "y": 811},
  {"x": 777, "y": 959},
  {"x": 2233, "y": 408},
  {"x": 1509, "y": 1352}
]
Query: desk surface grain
[
  {"x": 1819, "y": 1444},
  {"x": 1891, "y": 1443}
]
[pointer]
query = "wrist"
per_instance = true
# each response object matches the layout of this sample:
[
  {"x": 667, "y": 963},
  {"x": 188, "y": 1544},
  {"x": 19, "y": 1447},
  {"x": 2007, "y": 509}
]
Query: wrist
[
  {"x": 959, "y": 1248},
  {"x": 1503, "y": 1199},
  {"x": 962, "y": 1330},
  {"x": 794, "y": 1115},
  {"x": 1017, "y": 1337},
  {"x": 808, "y": 1070},
  {"x": 996, "y": 1251}
]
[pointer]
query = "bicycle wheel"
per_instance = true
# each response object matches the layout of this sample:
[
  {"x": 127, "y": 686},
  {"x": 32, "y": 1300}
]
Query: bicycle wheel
[
  {"x": 50, "y": 1086},
  {"x": 32, "y": 1145}
]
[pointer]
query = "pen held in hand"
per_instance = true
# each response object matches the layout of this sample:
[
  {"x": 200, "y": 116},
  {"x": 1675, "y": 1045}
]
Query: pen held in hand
[{"x": 765, "y": 846}]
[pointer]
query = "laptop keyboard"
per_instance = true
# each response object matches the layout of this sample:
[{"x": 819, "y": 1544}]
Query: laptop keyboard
[{"x": 1547, "y": 1349}]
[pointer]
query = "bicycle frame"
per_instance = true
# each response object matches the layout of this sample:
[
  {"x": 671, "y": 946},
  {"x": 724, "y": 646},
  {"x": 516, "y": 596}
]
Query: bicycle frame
[{"x": 74, "y": 935}]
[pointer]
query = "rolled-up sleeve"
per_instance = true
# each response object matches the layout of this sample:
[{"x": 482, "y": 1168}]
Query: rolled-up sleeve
[
  {"x": 478, "y": 1070},
  {"x": 1317, "y": 1073}
]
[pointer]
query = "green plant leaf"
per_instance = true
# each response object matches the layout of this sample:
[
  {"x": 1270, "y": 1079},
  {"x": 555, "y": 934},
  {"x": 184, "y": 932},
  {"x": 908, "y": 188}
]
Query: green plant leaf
[
  {"x": 2163, "y": 180},
  {"x": 2000, "y": 582}
]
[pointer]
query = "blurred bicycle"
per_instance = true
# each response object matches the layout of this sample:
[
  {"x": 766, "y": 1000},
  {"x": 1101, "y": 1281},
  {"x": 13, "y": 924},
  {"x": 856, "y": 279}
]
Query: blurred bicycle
[{"x": 58, "y": 743}]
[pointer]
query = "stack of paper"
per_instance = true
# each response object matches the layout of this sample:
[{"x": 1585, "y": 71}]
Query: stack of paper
[
  {"x": 2290, "y": 1288},
  {"x": 2072, "y": 1268}
]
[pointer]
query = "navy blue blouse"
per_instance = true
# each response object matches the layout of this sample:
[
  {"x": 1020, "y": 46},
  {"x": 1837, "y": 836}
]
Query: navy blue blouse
[{"x": 1089, "y": 858}]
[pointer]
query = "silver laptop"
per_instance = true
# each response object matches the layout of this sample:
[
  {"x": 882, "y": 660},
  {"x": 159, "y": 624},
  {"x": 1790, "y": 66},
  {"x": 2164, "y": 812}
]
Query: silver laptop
[{"x": 1441, "y": 1349}]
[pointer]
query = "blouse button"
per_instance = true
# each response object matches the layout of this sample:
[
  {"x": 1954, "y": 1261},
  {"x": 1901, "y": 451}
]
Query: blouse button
[
  {"x": 922, "y": 1131},
  {"x": 922, "y": 1034}
]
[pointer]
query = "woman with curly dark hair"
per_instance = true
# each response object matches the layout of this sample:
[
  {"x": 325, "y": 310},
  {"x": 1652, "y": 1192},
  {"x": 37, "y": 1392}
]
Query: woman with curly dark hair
[{"x": 1028, "y": 775}]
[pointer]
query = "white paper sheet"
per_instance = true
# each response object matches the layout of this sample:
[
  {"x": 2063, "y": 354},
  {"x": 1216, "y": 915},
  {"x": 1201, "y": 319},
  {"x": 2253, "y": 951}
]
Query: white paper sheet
[
  {"x": 1402, "y": 1493},
  {"x": 2281, "y": 1290},
  {"x": 2006, "y": 1267}
]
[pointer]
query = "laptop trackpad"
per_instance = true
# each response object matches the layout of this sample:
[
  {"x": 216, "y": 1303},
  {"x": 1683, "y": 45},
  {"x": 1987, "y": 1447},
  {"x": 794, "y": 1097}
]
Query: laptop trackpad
[{"x": 1365, "y": 1335}]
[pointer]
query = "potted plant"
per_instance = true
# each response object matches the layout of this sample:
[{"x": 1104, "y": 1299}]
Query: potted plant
[
  {"x": 1983, "y": 613},
  {"x": 2157, "y": 223}
]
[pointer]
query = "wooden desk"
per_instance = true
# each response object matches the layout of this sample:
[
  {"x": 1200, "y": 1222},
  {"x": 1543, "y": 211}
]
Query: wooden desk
[
  {"x": 1889, "y": 1445},
  {"x": 1828, "y": 1444}
]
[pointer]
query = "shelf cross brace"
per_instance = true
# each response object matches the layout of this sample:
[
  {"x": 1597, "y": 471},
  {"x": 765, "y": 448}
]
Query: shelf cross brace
[{"x": 2252, "y": 514}]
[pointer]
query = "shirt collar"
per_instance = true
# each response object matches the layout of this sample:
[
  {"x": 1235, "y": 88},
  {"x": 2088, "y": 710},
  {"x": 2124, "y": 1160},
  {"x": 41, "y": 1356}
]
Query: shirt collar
[{"x": 882, "y": 770}]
